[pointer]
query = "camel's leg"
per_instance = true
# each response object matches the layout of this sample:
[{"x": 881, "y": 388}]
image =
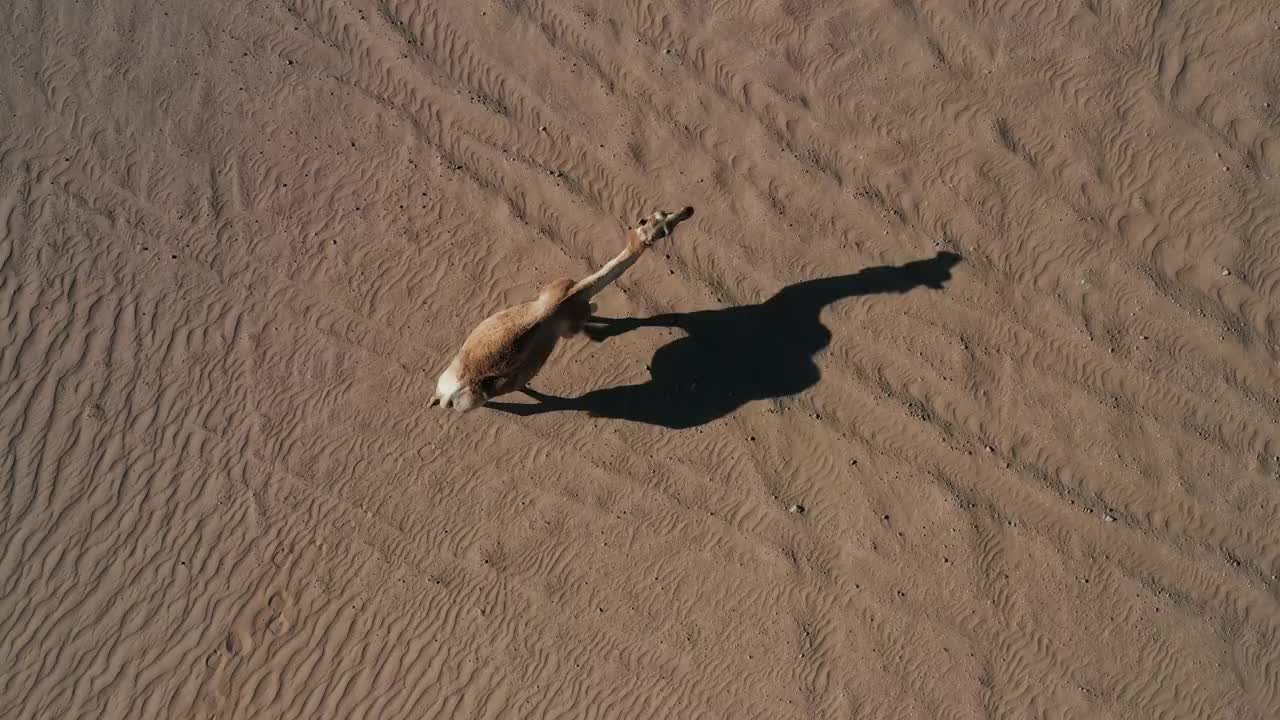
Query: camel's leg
[
  {"x": 599, "y": 332},
  {"x": 659, "y": 320},
  {"x": 545, "y": 403},
  {"x": 573, "y": 316},
  {"x": 602, "y": 328},
  {"x": 539, "y": 396}
]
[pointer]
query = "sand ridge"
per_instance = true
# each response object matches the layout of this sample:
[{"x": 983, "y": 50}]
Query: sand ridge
[{"x": 1021, "y": 377}]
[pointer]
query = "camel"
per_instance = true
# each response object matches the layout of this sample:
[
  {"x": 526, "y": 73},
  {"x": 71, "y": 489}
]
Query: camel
[{"x": 508, "y": 348}]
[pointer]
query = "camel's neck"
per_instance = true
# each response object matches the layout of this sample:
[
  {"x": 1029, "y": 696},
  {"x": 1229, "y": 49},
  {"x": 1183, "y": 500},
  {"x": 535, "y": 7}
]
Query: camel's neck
[{"x": 590, "y": 286}]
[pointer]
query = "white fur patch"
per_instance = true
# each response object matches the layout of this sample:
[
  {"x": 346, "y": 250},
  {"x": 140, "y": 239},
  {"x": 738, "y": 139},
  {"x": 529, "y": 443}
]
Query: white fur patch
[{"x": 448, "y": 386}]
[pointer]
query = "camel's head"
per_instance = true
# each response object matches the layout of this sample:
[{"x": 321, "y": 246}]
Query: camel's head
[{"x": 659, "y": 225}]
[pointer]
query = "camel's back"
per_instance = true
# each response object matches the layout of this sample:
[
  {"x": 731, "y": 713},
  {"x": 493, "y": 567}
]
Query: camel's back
[{"x": 505, "y": 341}]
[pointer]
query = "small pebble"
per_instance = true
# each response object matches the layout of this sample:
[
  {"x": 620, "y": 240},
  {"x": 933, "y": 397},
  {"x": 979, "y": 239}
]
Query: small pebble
[
  {"x": 1226, "y": 273},
  {"x": 1110, "y": 519}
]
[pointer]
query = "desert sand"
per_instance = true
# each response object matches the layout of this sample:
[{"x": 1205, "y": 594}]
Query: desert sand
[{"x": 958, "y": 397}]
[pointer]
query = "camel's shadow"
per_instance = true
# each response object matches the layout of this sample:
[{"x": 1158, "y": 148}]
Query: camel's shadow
[{"x": 732, "y": 356}]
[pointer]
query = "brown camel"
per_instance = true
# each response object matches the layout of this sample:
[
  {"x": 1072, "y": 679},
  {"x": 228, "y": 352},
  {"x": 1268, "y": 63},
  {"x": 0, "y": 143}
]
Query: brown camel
[{"x": 508, "y": 348}]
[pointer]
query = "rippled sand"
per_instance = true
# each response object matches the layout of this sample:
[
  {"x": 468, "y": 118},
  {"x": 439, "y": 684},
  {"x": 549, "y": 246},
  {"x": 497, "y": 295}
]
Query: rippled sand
[{"x": 957, "y": 398}]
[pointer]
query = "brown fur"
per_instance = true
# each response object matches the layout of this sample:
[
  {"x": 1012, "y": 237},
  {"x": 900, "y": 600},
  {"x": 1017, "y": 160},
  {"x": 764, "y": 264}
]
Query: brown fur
[{"x": 508, "y": 348}]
